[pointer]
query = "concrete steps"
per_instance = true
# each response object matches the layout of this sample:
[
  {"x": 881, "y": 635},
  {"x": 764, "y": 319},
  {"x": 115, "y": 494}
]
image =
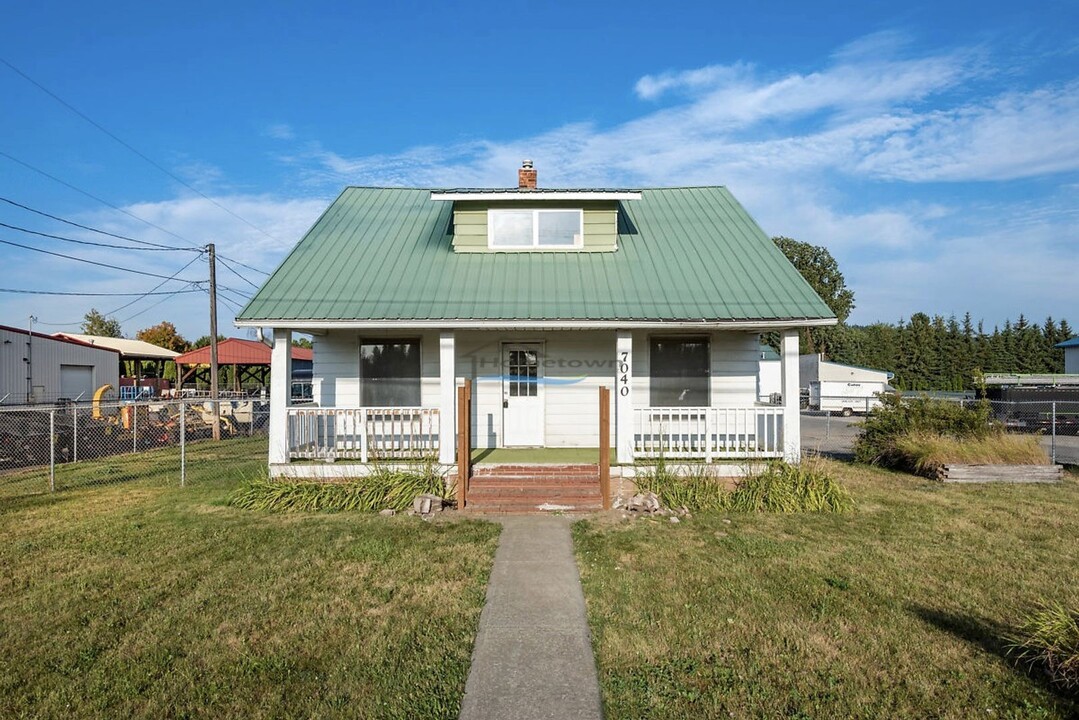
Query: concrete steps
[{"x": 521, "y": 489}]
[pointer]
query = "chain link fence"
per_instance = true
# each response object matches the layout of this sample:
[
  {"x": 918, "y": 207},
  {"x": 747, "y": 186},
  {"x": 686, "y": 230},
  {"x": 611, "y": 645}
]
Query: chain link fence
[
  {"x": 1056, "y": 422},
  {"x": 71, "y": 445}
]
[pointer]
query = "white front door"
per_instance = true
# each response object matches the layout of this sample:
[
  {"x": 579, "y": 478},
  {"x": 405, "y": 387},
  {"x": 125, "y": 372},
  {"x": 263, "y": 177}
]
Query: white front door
[{"x": 522, "y": 395}]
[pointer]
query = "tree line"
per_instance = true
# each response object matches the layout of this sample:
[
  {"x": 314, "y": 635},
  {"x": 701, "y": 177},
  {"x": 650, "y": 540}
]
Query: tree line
[
  {"x": 925, "y": 353},
  {"x": 937, "y": 353}
]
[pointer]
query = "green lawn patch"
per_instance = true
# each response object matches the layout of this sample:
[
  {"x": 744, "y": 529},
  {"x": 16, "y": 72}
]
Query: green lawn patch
[
  {"x": 905, "y": 607},
  {"x": 144, "y": 599}
]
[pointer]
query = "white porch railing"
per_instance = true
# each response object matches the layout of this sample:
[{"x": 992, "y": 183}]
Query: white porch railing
[
  {"x": 362, "y": 433},
  {"x": 708, "y": 433}
]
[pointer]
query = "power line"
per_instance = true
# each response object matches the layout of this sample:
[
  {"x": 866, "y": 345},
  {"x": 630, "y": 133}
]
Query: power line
[
  {"x": 145, "y": 309},
  {"x": 88, "y": 119},
  {"x": 237, "y": 262},
  {"x": 231, "y": 270},
  {"x": 156, "y": 287},
  {"x": 20, "y": 291},
  {"x": 88, "y": 227},
  {"x": 89, "y": 242},
  {"x": 89, "y": 262},
  {"x": 90, "y": 195}
]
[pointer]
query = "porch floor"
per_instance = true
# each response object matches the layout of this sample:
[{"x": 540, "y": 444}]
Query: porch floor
[{"x": 541, "y": 456}]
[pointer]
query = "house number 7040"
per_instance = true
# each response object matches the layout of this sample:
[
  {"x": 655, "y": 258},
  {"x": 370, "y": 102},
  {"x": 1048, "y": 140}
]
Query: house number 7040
[{"x": 623, "y": 374}]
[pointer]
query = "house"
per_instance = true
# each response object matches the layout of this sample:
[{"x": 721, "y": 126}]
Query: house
[
  {"x": 835, "y": 387},
  {"x": 37, "y": 368},
  {"x": 1071, "y": 355},
  {"x": 538, "y": 297}
]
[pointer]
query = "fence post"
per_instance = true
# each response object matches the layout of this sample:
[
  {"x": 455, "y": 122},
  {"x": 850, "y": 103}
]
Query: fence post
[
  {"x": 52, "y": 451},
  {"x": 183, "y": 444},
  {"x": 135, "y": 426},
  {"x": 74, "y": 433},
  {"x": 1053, "y": 442}
]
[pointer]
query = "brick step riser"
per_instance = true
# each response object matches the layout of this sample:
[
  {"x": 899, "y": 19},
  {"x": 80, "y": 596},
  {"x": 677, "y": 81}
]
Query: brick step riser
[
  {"x": 525, "y": 473},
  {"x": 523, "y": 509},
  {"x": 518, "y": 480},
  {"x": 532, "y": 490},
  {"x": 533, "y": 501},
  {"x": 535, "y": 469}
]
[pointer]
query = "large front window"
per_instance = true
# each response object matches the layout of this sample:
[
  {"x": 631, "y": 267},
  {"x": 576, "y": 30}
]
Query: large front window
[
  {"x": 390, "y": 373},
  {"x": 679, "y": 372},
  {"x": 527, "y": 229}
]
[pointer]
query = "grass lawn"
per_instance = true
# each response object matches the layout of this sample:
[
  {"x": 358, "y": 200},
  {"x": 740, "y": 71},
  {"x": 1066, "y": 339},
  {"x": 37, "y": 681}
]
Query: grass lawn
[
  {"x": 144, "y": 599},
  {"x": 898, "y": 609}
]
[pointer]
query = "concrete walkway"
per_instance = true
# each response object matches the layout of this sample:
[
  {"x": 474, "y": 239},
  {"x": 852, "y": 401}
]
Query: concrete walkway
[{"x": 533, "y": 654}]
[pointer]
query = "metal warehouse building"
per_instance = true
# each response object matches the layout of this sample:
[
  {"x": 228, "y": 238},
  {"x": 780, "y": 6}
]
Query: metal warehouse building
[{"x": 36, "y": 368}]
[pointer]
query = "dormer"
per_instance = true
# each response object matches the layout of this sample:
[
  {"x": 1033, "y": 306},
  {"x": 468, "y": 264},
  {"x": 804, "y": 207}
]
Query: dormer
[{"x": 530, "y": 219}]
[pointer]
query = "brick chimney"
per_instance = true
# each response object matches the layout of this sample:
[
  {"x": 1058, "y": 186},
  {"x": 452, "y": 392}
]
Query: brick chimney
[{"x": 526, "y": 176}]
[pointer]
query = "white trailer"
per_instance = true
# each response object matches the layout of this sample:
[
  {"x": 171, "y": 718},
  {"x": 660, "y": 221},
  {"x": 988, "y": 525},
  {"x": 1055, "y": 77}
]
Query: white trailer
[{"x": 846, "y": 398}]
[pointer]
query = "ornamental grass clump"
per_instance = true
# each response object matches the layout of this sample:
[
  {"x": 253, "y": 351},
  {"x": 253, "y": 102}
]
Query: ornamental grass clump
[
  {"x": 783, "y": 488},
  {"x": 695, "y": 488},
  {"x": 921, "y": 435},
  {"x": 779, "y": 488},
  {"x": 384, "y": 488},
  {"x": 1049, "y": 639}
]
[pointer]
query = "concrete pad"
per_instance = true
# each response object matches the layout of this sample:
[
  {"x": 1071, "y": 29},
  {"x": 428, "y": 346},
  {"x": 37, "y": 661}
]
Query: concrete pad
[{"x": 533, "y": 654}]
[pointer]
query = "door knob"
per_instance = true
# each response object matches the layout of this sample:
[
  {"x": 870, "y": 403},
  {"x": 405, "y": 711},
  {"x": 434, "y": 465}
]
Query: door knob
[{"x": 505, "y": 403}]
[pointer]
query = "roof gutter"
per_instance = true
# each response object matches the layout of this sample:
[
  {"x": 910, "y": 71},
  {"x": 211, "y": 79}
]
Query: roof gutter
[{"x": 308, "y": 325}]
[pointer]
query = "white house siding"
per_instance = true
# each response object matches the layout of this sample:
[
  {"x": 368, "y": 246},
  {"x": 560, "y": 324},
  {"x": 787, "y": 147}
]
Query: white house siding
[
  {"x": 335, "y": 377},
  {"x": 575, "y": 363},
  {"x": 734, "y": 367},
  {"x": 48, "y": 355}
]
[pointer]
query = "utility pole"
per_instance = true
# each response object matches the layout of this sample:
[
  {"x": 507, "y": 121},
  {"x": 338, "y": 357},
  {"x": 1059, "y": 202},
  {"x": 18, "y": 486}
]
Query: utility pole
[{"x": 214, "y": 397}]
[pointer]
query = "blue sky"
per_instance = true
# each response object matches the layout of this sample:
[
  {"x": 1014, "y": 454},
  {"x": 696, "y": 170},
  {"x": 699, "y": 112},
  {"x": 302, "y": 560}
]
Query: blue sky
[{"x": 933, "y": 147}]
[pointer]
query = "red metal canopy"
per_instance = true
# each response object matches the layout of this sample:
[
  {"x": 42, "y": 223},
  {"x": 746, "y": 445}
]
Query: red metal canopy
[{"x": 235, "y": 351}]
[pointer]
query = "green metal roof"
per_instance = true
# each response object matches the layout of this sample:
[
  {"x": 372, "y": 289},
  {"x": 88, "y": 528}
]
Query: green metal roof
[{"x": 684, "y": 254}]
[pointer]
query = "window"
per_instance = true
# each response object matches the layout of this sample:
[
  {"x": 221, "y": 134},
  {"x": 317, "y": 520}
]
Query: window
[
  {"x": 679, "y": 372},
  {"x": 522, "y": 229},
  {"x": 390, "y": 373}
]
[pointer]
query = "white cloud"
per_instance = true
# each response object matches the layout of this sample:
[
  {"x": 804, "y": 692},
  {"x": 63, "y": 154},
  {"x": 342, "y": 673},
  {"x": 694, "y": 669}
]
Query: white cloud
[
  {"x": 279, "y": 131},
  {"x": 197, "y": 221}
]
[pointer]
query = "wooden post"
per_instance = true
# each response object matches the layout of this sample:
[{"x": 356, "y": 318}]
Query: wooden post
[
  {"x": 464, "y": 442},
  {"x": 605, "y": 446}
]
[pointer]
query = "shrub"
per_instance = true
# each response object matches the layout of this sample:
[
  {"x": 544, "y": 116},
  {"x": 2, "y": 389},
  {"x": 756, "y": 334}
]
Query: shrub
[
  {"x": 778, "y": 488},
  {"x": 1050, "y": 638},
  {"x": 901, "y": 416},
  {"x": 383, "y": 488},
  {"x": 784, "y": 488},
  {"x": 926, "y": 453},
  {"x": 697, "y": 488}
]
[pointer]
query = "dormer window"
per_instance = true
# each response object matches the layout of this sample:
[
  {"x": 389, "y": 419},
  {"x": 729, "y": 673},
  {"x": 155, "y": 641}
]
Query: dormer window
[{"x": 517, "y": 229}]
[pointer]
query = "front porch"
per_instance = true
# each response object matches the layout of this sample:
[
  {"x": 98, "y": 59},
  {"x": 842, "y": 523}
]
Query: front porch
[{"x": 551, "y": 377}]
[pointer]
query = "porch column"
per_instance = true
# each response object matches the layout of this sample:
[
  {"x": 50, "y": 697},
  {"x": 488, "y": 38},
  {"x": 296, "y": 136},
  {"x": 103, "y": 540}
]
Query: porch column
[
  {"x": 792, "y": 420},
  {"x": 623, "y": 396},
  {"x": 447, "y": 410},
  {"x": 280, "y": 394}
]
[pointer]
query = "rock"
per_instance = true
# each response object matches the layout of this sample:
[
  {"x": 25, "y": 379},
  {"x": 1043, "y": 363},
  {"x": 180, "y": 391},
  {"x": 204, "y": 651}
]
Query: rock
[
  {"x": 426, "y": 504},
  {"x": 673, "y": 519},
  {"x": 644, "y": 503},
  {"x": 388, "y": 512}
]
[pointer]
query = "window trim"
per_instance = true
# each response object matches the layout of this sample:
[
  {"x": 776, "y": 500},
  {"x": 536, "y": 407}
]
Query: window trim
[
  {"x": 386, "y": 340},
  {"x": 578, "y": 242},
  {"x": 708, "y": 366}
]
